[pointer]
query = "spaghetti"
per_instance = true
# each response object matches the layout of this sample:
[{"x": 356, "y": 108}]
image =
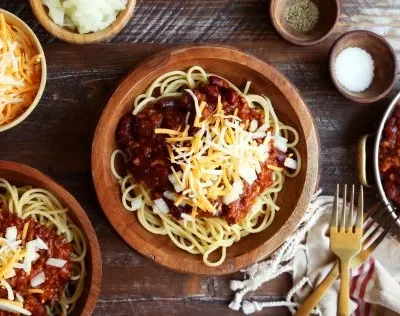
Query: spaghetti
[
  {"x": 20, "y": 72},
  {"x": 205, "y": 161},
  {"x": 42, "y": 253}
]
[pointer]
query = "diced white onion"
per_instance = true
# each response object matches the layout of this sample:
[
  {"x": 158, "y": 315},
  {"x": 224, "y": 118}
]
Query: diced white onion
[
  {"x": 264, "y": 152},
  {"x": 280, "y": 143},
  {"x": 38, "y": 279},
  {"x": 237, "y": 190},
  {"x": 290, "y": 163},
  {"x": 177, "y": 186},
  {"x": 257, "y": 135},
  {"x": 136, "y": 204},
  {"x": 247, "y": 172},
  {"x": 160, "y": 206},
  {"x": 263, "y": 128},
  {"x": 253, "y": 126},
  {"x": 187, "y": 217},
  {"x": 54, "y": 262},
  {"x": 12, "y": 308},
  {"x": 87, "y": 16},
  {"x": 40, "y": 244},
  {"x": 170, "y": 195},
  {"x": 11, "y": 234}
]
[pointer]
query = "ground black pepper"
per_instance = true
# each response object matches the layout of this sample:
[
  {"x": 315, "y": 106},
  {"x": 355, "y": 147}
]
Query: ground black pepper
[{"x": 302, "y": 15}]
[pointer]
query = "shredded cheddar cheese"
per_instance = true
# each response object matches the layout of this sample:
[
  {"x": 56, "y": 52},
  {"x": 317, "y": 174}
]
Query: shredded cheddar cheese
[
  {"x": 216, "y": 161},
  {"x": 20, "y": 72},
  {"x": 14, "y": 255}
]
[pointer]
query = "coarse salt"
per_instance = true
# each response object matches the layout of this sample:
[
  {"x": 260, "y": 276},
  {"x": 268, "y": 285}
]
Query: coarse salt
[{"x": 354, "y": 69}]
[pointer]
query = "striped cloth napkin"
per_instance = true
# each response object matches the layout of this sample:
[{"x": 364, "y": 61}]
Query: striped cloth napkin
[{"x": 375, "y": 286}]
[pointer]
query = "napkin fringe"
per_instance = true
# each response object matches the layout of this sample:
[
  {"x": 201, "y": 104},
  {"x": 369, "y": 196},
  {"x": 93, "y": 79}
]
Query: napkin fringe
[{"x": 281, "y": 261}]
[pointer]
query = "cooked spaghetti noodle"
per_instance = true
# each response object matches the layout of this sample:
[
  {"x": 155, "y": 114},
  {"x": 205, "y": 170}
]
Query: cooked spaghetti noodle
[
  {"x": 228, "y": 158},
  {"x": 39, "y": 212}
]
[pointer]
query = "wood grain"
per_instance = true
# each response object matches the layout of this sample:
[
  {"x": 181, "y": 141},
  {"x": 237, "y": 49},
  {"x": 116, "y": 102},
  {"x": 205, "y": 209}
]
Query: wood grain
[
  {"x": 236, "y": 66},
  {"x": 57, "y": 137}
]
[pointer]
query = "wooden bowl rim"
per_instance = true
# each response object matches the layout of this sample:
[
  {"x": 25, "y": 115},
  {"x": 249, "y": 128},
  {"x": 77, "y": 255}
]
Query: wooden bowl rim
[
  {"x": 224, "y": 53},
  {"x": 43, "y": 79},
  {"x": 295, "y": 40},
  {"x": 339, "y": 88},
  {"x": 84, "y": 223},
  {"x": 77, "y": 38}
]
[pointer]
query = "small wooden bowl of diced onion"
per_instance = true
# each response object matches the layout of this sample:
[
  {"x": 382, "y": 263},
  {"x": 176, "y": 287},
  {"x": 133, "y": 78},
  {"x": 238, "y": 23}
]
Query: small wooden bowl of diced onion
[
  {"x": 83, "y": 21},
  {"x": 23, "y": 73}
]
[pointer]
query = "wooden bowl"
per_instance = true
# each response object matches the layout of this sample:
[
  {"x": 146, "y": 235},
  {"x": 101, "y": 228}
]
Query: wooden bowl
[
  {"x": 329, "y": 14},
  {"x": 14, "y": 20},
  {"x": 237, "y": 67},
  {"x": 385, "y": 65},
  {"x": 19, "y": 174},
  {"x": 64, "y": 34}
]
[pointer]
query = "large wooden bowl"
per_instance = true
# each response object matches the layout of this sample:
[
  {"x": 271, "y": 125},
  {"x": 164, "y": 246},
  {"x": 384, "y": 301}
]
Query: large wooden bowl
[
  {"x": 19, "y": 174},
  {"x": 64, "y": 34},
  {"x": 237, "y": 67}
]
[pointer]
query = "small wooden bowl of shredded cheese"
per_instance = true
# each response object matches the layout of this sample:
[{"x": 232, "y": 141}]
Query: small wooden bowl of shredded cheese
[
  {"x": 23, "y": 71},
  {"x": 83, "y": 21}
]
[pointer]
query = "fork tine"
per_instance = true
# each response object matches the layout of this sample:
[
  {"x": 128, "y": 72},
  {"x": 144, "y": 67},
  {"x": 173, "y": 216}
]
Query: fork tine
[
  {"x": 371, "y": 214},
  {"x": 375, "y": 238},
  {"x": 372, "y": 231},
  {"x": 334, "y": 217},
  {"x": 349, "y": 226},
  {"x": 343, "y": 218},
  {"x": 360, "y": 213},
  {"x": 377, "y": 216}
]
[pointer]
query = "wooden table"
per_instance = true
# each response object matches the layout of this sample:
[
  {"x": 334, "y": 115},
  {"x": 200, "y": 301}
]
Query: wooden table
[{"x": 57, "y": 137}]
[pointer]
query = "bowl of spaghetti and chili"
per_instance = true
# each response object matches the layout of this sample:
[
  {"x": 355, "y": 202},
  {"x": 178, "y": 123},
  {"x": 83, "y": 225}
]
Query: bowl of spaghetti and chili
[
  {"x": 50, "y": 257},
  {"x": 205, "y": 159}
]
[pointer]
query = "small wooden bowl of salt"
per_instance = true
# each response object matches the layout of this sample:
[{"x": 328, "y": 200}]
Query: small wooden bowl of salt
[{"x": 363, "y": 66}]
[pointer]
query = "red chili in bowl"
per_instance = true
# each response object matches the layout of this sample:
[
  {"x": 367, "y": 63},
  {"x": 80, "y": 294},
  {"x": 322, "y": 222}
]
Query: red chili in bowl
[
  {"x": 389, "y": 157},
  {"x": 150, "y": 162}
]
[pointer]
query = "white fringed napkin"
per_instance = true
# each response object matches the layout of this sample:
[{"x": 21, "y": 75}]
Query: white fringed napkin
[{"x": 306, "y": 256}]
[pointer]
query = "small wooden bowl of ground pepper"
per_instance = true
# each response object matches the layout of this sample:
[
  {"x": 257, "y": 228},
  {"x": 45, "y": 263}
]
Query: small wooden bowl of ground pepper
[{"x": 304, "y": 22}]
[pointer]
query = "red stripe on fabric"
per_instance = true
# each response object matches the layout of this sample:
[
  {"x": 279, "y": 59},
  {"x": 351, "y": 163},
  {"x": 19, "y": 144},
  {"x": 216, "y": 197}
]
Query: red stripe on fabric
[{"x": 367, "y": 279}]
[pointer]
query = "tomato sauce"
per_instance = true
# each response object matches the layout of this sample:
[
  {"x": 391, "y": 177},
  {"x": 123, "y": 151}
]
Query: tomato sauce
[
  {"x": 55, "y": 278},
  {"x": 150, "y": 162},
  {"x": 389, "y": 157}
]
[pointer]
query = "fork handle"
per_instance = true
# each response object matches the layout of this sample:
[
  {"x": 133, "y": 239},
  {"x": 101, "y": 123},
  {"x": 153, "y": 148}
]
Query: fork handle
[
  {"x": 344, "y": 294},
  {"x": 319, "y": 292}
]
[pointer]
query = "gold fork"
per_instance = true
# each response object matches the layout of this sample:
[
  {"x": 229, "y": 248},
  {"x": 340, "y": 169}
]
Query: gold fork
[
  {"x": 372, "y": 237},
  {"x": 346, "y": 242}
]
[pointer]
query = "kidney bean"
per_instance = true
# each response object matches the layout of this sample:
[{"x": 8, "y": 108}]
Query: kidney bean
[
  {"x": 125, "y": 129},
  {"x": 211, "y": 91},
  {"x": 231, "y": 96},
  {"x": 221, "y": 83}
]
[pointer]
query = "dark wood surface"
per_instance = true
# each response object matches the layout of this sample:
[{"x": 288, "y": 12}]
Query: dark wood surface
[{"x": 57, "y": 137}]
